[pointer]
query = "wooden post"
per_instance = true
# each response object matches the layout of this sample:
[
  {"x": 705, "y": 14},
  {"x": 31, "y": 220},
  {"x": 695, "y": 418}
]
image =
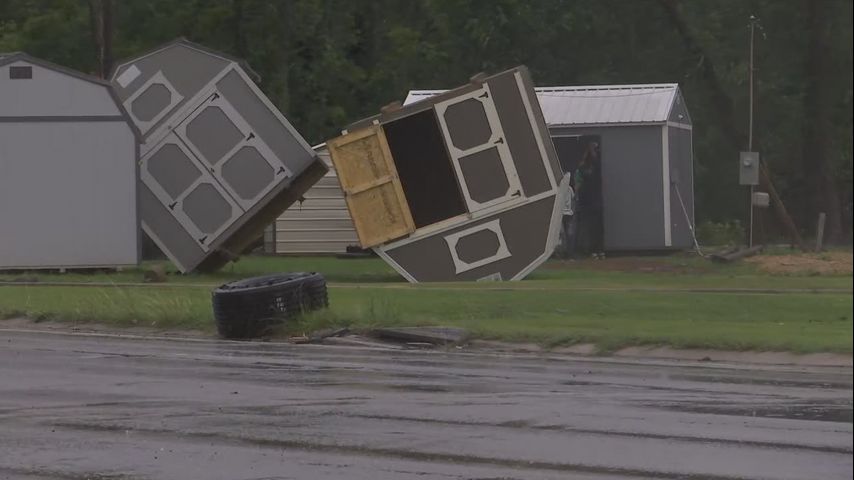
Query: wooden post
[{"x": 819, "y": 233}]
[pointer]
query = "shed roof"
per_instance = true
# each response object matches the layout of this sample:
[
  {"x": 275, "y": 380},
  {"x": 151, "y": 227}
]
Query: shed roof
[
  {"x": 182, "y": 41},
  {"x": 597, "y": 104},
  {"x": 12, "y": 57}
]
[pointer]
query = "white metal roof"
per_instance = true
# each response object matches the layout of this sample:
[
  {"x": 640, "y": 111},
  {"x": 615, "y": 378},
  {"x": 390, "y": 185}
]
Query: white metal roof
[{"x": 596, "y": 104}]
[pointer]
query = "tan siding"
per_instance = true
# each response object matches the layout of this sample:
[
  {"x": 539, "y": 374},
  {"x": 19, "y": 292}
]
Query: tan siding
[{"x": 320, "y": 225}]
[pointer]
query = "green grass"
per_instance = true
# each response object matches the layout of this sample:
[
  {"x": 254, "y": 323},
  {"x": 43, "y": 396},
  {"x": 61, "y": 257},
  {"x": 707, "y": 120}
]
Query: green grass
[
  {"x": 552, "y": 308},
  {"x": 678, "y": 271}
]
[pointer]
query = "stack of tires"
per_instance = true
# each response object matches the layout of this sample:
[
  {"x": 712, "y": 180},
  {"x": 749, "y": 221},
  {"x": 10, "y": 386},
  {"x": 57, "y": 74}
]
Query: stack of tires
[{"x": 252, "y": 307}]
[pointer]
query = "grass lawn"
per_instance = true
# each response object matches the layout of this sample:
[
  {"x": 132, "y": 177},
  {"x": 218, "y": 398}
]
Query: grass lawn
[{"x": 553, "y": 307}]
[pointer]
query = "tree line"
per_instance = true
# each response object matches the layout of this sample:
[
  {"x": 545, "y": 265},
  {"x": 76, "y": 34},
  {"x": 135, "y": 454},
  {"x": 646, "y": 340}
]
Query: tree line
[{"x": 326, "y": 63}]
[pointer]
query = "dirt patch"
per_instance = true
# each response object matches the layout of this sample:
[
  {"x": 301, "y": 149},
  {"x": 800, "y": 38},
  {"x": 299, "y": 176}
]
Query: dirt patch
[{"x": 829, "y": 263}]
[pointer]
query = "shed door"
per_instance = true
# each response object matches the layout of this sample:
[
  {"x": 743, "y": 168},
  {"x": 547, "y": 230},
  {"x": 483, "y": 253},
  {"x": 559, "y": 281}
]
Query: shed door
[
  {"x": 182, "y": 184},
  {"x": 371, "y": 186},
  {"x": 229, "y": 148},
  {"x": 479, "y": 150}
]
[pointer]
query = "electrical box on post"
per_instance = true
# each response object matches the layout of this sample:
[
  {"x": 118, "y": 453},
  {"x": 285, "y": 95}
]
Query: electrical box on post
[{"x": 748, "y": 168}]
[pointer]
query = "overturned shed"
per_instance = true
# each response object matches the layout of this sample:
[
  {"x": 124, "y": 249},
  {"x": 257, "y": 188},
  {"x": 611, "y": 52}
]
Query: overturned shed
[
  {"x": 219, "y": 162},
  {"x": 643, "y": 137},
  {"x": 464, "y": 185},
  {"x": 68, "y": 169}
]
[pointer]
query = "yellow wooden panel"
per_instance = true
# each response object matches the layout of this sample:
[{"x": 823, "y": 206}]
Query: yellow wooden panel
[{"x": 371, "y": 186}]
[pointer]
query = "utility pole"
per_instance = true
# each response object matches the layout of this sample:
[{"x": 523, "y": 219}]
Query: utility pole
[{"x": 750, "y": 122}]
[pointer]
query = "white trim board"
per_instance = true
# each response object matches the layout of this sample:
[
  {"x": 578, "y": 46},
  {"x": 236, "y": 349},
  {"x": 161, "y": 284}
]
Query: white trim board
[
  {"x": 501, "y": 253},
  {"x": 665, "y": 187},
  {"x": 540, "y": 145}
]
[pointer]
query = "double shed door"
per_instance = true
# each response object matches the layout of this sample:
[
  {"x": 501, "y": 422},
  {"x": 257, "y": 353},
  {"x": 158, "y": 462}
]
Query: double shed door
[{"x": 210, "y": 168}]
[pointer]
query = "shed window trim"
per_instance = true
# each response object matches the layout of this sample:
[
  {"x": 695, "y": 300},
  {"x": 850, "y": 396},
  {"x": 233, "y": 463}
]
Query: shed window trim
[{"x": 20, "y": 72}]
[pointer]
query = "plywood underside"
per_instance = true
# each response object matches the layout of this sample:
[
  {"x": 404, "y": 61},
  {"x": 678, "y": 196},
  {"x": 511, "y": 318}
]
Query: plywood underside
[{"x": 371, "y": 186}]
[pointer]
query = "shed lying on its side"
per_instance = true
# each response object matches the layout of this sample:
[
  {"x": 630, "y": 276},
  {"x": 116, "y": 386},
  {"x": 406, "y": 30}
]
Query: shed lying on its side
[{"x": 464, "y": 185}]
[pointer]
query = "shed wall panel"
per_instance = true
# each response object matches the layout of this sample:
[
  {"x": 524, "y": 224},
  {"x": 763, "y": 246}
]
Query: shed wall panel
[
  {"x": 323, "y": 213},
  {"x": 631, "y": 185},
  {"x": 52, "y": 93},
  {"x": 430, "y": 259},
  {"x": 67, "y": 194}
]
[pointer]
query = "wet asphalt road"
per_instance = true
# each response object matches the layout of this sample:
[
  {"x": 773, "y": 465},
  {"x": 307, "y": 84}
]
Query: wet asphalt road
[{"x": 76, "y": 407}]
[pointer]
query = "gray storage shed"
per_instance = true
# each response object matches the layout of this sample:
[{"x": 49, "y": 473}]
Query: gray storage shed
[
  {"x": 219, "y": 161},
  {"x": 644, "y": 138},
  {"x": 68, "y": 169}
]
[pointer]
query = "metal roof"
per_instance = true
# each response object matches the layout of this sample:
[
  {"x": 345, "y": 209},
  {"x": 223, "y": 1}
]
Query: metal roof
[
  {"x": 8, "y": 58},
  {"x": 596, "y": 104},
  {"x": 182, "y": 41}
]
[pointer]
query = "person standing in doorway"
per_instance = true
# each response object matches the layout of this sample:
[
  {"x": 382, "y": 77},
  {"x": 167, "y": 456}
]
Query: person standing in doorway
[
  {"x": 588, "y": 190},
  {"x": 569, "y": 224}
]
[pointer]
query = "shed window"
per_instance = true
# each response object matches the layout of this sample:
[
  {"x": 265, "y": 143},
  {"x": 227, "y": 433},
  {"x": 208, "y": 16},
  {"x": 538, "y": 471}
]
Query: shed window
[{"x": 20, "y": 73}]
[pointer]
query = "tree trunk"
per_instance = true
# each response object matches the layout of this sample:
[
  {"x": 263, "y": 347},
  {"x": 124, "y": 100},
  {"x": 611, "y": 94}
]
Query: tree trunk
[
  {"x": 821, "y": 191},
  {"x": 106, "y": 37},
  {"x": 237, "y": 9},
  {"x": 724, "y": 111},
  {"x": 101, "y": 25}
]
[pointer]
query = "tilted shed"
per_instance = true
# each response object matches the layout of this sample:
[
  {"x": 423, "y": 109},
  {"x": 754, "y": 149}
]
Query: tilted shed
[
  {"x": 644, "y": 136},
  {"x": 461, "y": 186},
  {"x": 219, "y": 161},
  {"x": 68, "y": 169}
]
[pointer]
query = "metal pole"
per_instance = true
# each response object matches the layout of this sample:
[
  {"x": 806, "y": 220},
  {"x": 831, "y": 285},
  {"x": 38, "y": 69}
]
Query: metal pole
[{"x": 750, "y": 123}]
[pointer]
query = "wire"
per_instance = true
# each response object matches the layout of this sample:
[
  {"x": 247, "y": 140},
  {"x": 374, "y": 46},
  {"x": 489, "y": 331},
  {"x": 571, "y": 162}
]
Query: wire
[{"x": 690, "y": 224}]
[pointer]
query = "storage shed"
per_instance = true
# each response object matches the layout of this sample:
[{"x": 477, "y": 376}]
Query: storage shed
[
  {"x": 460, "y": 186},
  {"x": 68, "y": 169},
  {"x": 317, "y": 224},
  {"x": 219, "y": 162},
  {"x": 643, "y": 134}
]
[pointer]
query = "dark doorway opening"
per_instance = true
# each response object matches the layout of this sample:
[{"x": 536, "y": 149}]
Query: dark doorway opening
[
  {"x": 581, "y": 157},
  {"x": 424, "y": 168}
]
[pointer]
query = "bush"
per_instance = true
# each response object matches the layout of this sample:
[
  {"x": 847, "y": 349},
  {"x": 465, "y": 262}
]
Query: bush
[{"x": 720, "y": 233}]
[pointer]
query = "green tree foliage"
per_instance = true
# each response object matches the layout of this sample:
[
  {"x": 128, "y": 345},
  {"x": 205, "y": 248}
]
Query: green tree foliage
[{"x": 326, "y": 63}]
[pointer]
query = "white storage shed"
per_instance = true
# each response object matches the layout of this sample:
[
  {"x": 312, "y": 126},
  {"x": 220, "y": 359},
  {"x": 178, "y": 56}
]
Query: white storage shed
[{"x": 68, "y": 169}]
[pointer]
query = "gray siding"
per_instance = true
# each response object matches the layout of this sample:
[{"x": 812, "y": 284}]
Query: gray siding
[
  {"x": 321, "y": 224},
  {"x": 51, "y": 93},
  {"x": 67, "y": 194},
  {"x": 632, "y": 193},
  {"x": 681, "y": 173}
]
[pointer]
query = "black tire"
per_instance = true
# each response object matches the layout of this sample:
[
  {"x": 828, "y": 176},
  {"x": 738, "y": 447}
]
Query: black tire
[{"x": 252, "y": 307}]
